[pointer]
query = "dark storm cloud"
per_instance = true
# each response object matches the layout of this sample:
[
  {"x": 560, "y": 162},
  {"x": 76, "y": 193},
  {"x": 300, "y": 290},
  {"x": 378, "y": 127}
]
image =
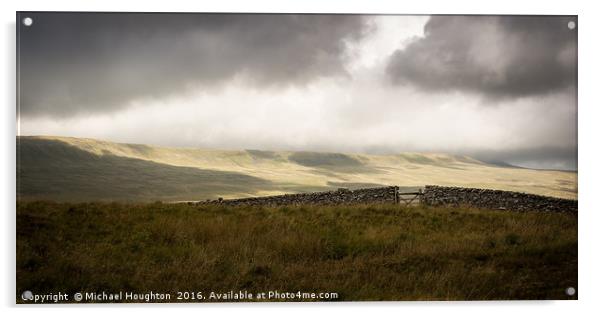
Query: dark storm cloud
[
  {"x": 72, "y": 63},
  {"x": 497, "y": 56}
]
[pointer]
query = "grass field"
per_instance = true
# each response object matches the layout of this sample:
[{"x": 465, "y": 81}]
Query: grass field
[{"x": 359, "y": 252}]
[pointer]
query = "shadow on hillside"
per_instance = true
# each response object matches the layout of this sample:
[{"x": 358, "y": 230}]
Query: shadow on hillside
[{"x": 50, "y": 169}]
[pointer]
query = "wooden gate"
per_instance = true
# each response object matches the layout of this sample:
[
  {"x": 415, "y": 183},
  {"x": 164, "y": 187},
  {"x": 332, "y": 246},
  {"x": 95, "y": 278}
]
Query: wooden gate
[{"x": 407, "y": 198}]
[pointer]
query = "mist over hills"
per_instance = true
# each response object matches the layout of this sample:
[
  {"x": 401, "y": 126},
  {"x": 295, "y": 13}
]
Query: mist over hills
[{"x": 78, "y": 169}]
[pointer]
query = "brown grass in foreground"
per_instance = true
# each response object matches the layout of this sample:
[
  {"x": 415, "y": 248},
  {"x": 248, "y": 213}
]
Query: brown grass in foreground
[{"x": 360, "y": 252}]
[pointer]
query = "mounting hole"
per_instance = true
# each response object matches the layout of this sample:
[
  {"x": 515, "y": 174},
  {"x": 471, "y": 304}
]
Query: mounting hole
[
  {"x": 570, "y": 291},
  {"x": 572, "y": 25},
  {"x": 27, "y": 296},
  {"x": 27, "y": 21}
]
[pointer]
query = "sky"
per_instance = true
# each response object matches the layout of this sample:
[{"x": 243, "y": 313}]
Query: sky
[{"x": 497, "y": 88}]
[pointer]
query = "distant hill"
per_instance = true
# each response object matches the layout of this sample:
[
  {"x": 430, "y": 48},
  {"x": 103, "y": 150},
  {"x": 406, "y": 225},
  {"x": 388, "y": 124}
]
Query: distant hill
[{"x": 78, "y": 169}]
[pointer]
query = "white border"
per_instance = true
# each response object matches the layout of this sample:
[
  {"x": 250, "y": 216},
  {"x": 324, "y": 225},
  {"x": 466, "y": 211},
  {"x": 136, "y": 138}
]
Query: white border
[{"x": 589, "y": 152}]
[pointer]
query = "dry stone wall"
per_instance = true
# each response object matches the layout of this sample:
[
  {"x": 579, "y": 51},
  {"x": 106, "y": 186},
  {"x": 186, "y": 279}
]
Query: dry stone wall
[
  {"x": 431, "y": 195},
  {"x": 381, "y": 195},
  {"x": 494, "y": 199}
]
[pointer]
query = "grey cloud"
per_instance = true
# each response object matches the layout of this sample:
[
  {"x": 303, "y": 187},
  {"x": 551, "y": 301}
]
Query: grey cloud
[
  {"x": 73, "y": 63},
  {"x": 497, "y": 56}
]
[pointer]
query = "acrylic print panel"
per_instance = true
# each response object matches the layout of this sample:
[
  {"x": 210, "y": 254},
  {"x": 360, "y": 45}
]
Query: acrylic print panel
[{"x": 201, "y": 158}]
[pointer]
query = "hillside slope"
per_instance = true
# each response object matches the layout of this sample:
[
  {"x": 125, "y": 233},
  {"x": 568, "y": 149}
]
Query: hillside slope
[{"x": 77, "y": 169}]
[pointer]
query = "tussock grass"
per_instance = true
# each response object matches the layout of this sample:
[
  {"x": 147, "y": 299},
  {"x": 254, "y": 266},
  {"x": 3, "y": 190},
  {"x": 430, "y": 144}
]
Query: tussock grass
[{"x": 360, "y": 252}]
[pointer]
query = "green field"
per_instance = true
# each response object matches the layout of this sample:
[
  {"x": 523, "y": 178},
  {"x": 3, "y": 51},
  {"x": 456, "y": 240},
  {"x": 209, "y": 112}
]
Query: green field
[
  {"x": 80, "y": 170},
  {"x": 359, "y": 252}
]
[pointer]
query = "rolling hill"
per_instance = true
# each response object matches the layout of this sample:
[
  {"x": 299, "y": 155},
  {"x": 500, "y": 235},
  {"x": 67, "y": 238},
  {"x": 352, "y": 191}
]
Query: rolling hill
[{"x": 78, "y": 169}]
